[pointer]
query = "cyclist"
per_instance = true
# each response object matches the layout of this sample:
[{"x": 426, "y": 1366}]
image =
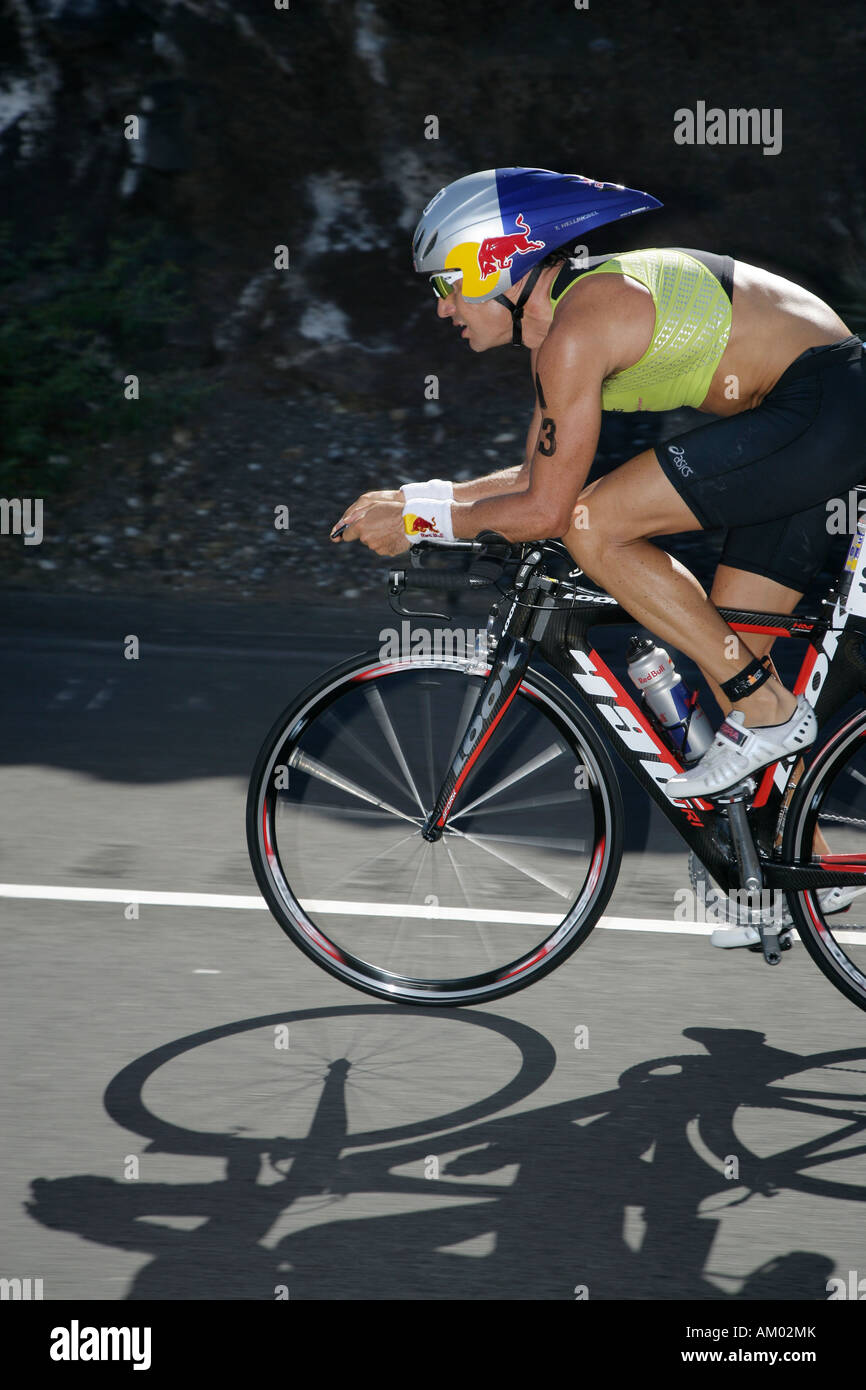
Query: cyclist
[{"x": 647, "y": 330}]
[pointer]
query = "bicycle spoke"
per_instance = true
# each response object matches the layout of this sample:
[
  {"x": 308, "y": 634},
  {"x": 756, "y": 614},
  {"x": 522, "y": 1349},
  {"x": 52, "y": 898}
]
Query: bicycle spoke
[
  {"x": 540, "y": 760},
  {"x": 428, "y": 743},
  {"x": 423, "y": 863},
  {"x": 380, "y": 714},
  {"x": 543, "y": 879},
  {"x": 539, "y": 842},
  {"x": 366, "y": 860},
  {"x": 455, "y": 867},
  {"x": 358, "y": 746},
  {"x": 457, "y": 874},
  {"x": 314, "y": 768},
  {"x": 528, "y": 804},
  {"x": 358, "y": 814}
]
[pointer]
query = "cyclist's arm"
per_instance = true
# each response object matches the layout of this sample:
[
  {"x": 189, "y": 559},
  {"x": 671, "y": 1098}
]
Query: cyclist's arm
[
  {"x": 514, "y": 479},
  {"x": 570, "y": 369},
  {"x": 504, "y": 480}
]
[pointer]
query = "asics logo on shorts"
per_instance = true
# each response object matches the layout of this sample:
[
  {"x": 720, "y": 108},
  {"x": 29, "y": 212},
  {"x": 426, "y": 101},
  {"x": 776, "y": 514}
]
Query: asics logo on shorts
[{"x": 679, "y": 460}]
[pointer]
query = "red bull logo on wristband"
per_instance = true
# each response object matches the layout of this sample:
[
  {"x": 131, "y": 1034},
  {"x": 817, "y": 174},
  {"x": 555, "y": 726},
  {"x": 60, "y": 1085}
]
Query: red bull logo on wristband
[{"x": 419, "y": 525}]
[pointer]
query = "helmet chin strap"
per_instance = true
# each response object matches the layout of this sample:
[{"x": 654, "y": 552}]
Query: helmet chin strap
[{"x": 516, "y": 309}]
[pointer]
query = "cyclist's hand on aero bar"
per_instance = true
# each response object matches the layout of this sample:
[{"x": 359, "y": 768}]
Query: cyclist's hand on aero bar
[{"x": 376, "y": 519}]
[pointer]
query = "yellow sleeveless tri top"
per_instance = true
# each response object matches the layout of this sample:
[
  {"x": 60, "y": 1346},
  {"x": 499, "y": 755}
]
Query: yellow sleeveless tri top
[{"x": 692, "y": 327}]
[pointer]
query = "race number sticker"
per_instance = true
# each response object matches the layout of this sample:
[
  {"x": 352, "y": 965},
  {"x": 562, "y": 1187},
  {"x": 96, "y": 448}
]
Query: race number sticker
[{"x": 855, "y": 573}]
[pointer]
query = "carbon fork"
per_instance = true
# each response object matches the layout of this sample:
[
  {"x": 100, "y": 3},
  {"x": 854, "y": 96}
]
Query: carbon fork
[{"x": 523, "y": 629}]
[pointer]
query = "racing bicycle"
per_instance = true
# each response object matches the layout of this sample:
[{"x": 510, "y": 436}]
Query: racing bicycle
[{"x": 445, "y": 826}]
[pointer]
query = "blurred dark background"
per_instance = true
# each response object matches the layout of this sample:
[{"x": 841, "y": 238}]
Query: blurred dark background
[{"x": 307, "y": 127}]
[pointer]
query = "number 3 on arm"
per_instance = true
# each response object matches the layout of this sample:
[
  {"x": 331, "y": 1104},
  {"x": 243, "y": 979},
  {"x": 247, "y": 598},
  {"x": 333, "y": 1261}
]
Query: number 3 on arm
[
  {"x": 546, "y": 443},
  {"x": 568, "y": 404}
]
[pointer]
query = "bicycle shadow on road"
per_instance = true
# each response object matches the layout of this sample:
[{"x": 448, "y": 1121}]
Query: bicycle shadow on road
[{"x": 596, "y": 1197}]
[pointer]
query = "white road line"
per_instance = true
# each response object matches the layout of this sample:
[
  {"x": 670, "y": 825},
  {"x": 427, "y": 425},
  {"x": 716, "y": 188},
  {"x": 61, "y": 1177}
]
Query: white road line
[
  {"x": 344, "y": 908},
  {"x": 143, "y": 896}
]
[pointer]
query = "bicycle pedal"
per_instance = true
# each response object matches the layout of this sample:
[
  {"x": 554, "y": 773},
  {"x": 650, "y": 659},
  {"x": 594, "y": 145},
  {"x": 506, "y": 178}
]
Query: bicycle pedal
[
  {"x": 771, "y": 944},
  {"x": 786, "y": 941},
  {"x": 743, "y": 791}
]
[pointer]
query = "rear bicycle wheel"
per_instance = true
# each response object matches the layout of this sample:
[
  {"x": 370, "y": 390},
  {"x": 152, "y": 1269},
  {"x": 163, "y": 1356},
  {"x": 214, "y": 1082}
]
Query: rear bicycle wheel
[
  {"x": 337, "y": 799},
  {"x": 832, "y": 798}
]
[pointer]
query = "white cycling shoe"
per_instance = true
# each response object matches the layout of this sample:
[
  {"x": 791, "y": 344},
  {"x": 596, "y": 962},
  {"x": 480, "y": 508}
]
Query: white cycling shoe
[
  {"x": 736, "y": 752},
  {"x": 831, "y": 900},
  {"x": 838, "y": 899},
  {"x": 738, "y": 936}
]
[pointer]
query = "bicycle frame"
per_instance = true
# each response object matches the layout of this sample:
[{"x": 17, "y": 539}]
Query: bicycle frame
[{"x": 553, "y": 618}]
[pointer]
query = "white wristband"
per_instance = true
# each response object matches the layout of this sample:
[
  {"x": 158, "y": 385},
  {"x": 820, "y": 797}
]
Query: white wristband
[
  {"x": 428, "y": 519},
  {"x": 439, "y": 488}
]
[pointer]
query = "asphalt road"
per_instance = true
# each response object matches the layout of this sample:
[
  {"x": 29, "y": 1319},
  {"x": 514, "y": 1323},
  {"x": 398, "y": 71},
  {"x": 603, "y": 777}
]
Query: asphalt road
[{"x": 192, "y": 1110}]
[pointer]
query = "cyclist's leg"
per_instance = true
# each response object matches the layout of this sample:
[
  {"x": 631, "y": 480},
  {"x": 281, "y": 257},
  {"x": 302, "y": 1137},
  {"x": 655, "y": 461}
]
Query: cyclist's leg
[
  {"x": 736, "y": 588},
  {"x": 612, "y": 544},
  {"x": 745, "y": 471},
  {"x": 733, "y": 588},
  {"x": 768, "y": 569}
]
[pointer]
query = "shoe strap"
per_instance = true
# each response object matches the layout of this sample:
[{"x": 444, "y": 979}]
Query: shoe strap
[{"x": 732, "y": 734}]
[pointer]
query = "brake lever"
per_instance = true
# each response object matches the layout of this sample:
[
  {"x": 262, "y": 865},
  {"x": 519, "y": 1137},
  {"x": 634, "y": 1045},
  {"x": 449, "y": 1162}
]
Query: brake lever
[{"x": 396, "y": 587}]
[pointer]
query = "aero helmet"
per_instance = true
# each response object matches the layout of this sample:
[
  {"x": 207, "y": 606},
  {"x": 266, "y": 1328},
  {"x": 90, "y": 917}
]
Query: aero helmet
[{"x": 496, "y": 225}]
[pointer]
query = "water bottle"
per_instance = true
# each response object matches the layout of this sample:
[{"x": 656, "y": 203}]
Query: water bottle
[{"x": 669, "y": 698}]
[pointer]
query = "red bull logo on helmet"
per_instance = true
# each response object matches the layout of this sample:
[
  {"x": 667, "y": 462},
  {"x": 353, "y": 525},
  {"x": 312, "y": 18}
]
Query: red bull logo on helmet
[{"x": 497, "y": 252}]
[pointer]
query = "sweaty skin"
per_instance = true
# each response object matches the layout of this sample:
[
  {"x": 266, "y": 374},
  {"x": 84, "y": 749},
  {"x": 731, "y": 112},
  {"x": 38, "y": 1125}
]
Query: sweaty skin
[{"x": 604, "y": 325}]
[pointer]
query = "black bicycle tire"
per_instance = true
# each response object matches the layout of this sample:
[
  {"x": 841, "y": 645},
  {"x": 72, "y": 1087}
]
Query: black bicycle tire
[
  {"x": 601, "y": 893},
  {"x": 824, "y": 763}
]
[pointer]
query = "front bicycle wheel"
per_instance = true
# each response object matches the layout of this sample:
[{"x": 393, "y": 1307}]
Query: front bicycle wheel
[
  {"x": 529, "y": 858},
  {"x": 832, "y": 799}
]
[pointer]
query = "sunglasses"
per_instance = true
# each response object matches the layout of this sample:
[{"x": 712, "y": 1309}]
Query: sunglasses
[{"x": 443, "y": 283}]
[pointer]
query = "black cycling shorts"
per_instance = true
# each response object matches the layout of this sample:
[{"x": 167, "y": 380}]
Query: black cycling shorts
[{"x": 766, "y": 474}]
